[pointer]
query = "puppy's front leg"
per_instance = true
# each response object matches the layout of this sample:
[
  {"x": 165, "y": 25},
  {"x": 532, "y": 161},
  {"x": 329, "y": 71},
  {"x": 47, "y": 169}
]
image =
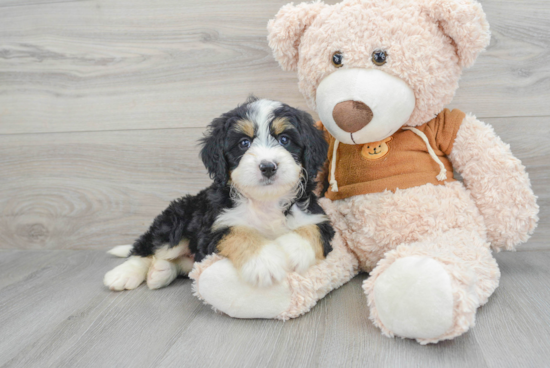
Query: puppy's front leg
[
  {"x": 303, "y": 246},
  {"x": 260, "y": 262}
]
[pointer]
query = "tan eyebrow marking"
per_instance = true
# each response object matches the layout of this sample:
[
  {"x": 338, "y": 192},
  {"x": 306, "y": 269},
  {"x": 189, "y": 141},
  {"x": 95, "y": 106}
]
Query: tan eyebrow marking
[
  {"x": 246, "y": 126},
  {"x": 279, "y": 125}
]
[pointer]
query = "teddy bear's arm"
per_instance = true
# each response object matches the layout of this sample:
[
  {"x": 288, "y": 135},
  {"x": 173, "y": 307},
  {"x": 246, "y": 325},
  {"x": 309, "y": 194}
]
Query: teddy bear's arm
[
  {"x": 217, "y": 282},
  {"x": 498, "y": 183}
]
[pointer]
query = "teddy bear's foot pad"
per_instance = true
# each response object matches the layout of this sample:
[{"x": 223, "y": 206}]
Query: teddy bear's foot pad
[
  {"x": 221, "y": 287},
  {"x": 414, "y": 298}
]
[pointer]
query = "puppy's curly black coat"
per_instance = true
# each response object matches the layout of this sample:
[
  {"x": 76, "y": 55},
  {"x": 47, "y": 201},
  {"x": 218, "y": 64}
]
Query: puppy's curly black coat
[{"x": 192, "y": 216}]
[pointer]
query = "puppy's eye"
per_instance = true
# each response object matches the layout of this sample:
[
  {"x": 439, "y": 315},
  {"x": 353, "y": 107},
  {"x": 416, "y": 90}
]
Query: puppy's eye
[
  {"x": 284, "y": 140},
  {"x": 244, "y": 143},
  {"x": 379, "y": 57},
  {"x": 337, "y": 59}
]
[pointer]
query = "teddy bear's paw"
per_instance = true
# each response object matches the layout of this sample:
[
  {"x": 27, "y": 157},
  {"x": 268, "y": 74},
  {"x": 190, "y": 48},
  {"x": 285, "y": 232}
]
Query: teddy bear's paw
[
  {"x": 266, "y": 268},
  {"x": 221, "y": 286},
  {"x": 128, "y": 275},
  {"x": 161, "y": 273},
  {"x": 299, "y": 251},
  {"x": 414, "y": 298}
]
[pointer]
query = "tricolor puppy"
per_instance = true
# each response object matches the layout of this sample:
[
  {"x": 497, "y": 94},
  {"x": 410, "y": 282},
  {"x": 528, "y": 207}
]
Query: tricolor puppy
[{"x": 260, "y": 211}]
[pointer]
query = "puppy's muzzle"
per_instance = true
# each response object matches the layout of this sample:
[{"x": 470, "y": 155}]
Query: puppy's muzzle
[
  {"x": 268, "y": 169},
  {"x": 352, "y": 116}
]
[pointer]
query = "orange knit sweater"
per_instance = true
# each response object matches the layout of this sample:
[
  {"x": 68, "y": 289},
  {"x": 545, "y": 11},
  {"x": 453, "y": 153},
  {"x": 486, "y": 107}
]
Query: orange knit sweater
[{"x": 401, "y": 162}]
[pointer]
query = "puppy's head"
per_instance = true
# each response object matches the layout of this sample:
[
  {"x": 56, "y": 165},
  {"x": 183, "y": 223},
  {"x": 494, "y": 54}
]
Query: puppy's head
[{"x": 265, "y": 149}]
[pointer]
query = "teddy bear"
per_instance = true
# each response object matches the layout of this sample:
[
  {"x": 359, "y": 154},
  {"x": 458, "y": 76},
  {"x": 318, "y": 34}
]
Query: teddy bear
[{"x": 379, "y": 73}]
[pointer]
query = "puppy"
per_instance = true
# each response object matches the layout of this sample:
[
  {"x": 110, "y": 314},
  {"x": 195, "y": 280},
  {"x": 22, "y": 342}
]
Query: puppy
[{"x": 260, "y": 211}]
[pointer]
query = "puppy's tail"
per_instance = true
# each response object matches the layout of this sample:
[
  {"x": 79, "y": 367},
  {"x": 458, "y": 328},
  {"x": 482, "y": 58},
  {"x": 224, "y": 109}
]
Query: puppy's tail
[{"x": 122, "y": 251}]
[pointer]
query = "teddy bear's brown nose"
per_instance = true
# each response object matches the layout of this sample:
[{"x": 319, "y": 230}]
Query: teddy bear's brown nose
[{"x": 352, "y": 116}]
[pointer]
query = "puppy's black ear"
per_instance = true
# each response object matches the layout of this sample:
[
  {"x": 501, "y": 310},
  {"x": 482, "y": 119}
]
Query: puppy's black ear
[
  {"x": 315, "y": 145},
  {"x": 212, "y": 152}
]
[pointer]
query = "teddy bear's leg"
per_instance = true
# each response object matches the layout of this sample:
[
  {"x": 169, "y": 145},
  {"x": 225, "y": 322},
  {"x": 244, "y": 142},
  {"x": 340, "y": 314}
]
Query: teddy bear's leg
[
  {"x": 217, "y": 282},
  {"x": 430, "y": 290}
]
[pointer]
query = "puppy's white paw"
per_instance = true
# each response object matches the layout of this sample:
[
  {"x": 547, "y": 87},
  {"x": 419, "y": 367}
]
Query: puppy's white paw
[
  {"x": 267, "y": 268},
  {"x": 128, "y": 275},
  {"x": 161, "y": 273},
  {"x": 301, "y": 255}
]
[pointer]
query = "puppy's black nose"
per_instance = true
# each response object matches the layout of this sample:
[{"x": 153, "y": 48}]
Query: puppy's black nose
[{"x": 268, "y": 169}]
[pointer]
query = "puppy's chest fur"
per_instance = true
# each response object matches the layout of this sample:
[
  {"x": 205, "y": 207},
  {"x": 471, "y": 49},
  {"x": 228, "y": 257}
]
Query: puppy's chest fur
[{"x": 267, "y": 218}]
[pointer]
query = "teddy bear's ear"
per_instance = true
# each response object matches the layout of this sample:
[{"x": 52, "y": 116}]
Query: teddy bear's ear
[
  {"x": 286, "y": 29},
  {"x": 464, "y": 21}
]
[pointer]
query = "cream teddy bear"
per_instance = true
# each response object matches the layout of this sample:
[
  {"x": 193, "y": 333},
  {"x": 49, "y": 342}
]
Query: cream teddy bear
[{"x": 380, "y": 73}]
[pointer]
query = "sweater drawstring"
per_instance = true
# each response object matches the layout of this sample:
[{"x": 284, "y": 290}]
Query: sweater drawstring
[
  {"x": 443, "y": 172},
  {"x": 333, "y": 183}
]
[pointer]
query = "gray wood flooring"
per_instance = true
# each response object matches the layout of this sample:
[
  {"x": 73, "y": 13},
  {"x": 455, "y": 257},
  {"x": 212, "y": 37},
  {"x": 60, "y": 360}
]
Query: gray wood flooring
[
  {"x": 55, "y": 312},
  {"x": 101, "y": 105},
  {"x": 102, "y": 102}
]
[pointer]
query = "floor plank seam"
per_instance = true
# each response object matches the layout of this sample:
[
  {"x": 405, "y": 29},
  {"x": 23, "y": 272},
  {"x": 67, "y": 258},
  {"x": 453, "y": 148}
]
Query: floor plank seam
[
  {"x": 204, "y": 126},
  {"x": 42, "y": 3}
]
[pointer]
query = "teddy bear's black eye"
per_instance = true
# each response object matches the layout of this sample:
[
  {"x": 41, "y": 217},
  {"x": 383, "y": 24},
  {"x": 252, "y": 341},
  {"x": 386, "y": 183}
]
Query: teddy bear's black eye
[
  {"x": 337, "y": 59},
  {"x": 379, "y": 57}
]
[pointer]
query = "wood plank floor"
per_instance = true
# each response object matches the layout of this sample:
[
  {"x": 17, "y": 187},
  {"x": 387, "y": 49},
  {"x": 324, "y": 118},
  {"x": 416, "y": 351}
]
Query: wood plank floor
[{"x": 55, "y": 312}]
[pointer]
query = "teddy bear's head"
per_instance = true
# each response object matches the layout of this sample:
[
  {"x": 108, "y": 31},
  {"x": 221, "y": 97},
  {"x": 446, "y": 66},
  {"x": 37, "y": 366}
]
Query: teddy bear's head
[{"x": 368, "y": 67}]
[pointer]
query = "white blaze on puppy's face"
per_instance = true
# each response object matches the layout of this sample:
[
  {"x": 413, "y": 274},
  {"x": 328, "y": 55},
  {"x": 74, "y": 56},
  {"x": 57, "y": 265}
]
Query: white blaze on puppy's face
[{"x": 265, "y": 151}]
